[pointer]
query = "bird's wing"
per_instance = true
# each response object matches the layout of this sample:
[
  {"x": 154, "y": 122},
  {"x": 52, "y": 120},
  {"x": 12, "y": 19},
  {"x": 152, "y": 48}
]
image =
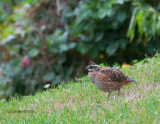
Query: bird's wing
[
  {"x": 114, "y": 74},
  {"x": 105, "y": 80}
]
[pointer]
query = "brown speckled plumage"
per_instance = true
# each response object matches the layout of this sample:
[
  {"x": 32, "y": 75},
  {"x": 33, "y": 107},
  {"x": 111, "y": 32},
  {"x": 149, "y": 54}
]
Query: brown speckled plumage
[{"x": 107, "y": 79}]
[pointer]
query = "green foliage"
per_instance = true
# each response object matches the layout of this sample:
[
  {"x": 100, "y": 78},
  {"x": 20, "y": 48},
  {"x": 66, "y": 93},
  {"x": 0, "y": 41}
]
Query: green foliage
[
  {"x": 60, "y": 39},
  {"x": 97, "y": 24},
  {"x": 145, "y": 25},
  {"x": 147, "y": 20}
]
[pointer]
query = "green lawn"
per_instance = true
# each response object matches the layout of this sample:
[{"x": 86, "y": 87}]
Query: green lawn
[{"x": 82, "y": 102}]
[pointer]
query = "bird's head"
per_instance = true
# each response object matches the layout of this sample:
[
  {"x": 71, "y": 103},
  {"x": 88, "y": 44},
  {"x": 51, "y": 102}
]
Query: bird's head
[{"x": 92, "y": 67}]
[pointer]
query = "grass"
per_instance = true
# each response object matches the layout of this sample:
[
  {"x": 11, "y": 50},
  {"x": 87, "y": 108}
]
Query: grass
[{"x": 82, "y": 102}]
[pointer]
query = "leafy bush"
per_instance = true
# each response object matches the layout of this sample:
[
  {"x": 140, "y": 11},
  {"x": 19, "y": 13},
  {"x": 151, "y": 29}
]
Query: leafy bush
[
  {"x": 145, "y": 26},
  {"x": 50, "y": 41}
]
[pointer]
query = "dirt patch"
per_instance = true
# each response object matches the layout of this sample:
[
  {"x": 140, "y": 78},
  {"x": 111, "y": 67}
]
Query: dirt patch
[{"x": 139, "y": 91}]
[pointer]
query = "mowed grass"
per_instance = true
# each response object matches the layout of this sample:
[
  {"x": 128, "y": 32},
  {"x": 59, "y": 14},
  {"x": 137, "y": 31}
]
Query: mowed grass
[{"x": 82, "y": 102}]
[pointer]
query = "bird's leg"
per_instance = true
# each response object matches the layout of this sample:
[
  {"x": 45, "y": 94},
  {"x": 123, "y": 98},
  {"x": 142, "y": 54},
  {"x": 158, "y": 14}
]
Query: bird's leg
[
  {"x": 109, "y": 94},
  {"x": 119, "y": 92}
]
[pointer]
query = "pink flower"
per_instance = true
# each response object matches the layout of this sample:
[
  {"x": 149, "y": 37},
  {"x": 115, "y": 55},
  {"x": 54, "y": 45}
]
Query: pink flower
[{"x": 25, "y": 61}]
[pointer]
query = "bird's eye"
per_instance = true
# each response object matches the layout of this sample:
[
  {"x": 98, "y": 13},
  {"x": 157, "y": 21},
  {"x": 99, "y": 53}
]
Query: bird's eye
[{"x": 91, "y": 67}]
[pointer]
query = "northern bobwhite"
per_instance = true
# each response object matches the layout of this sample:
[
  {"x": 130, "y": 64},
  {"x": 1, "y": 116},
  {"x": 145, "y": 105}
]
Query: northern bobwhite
[{"x": 107, "y": 79}]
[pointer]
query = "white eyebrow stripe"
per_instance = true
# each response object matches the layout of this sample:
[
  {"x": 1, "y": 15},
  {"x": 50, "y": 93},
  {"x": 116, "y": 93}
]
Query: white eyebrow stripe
[{"x": 94, "y": 65}]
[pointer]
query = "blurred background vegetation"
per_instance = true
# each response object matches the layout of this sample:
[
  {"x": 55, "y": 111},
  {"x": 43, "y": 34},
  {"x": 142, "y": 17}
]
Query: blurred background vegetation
[{"x": 50, "y": 41}]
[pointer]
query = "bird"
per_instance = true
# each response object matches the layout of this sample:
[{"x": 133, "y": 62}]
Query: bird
[{"x": 107, "y": 79}]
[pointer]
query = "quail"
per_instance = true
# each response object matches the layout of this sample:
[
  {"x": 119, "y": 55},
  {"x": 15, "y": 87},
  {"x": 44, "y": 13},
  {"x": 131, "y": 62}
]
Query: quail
[{"x": 107, "y": 79}]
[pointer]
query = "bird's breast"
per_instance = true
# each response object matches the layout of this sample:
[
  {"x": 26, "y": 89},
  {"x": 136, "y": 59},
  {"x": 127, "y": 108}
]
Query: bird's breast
[{"x": 92, "y": 77}]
